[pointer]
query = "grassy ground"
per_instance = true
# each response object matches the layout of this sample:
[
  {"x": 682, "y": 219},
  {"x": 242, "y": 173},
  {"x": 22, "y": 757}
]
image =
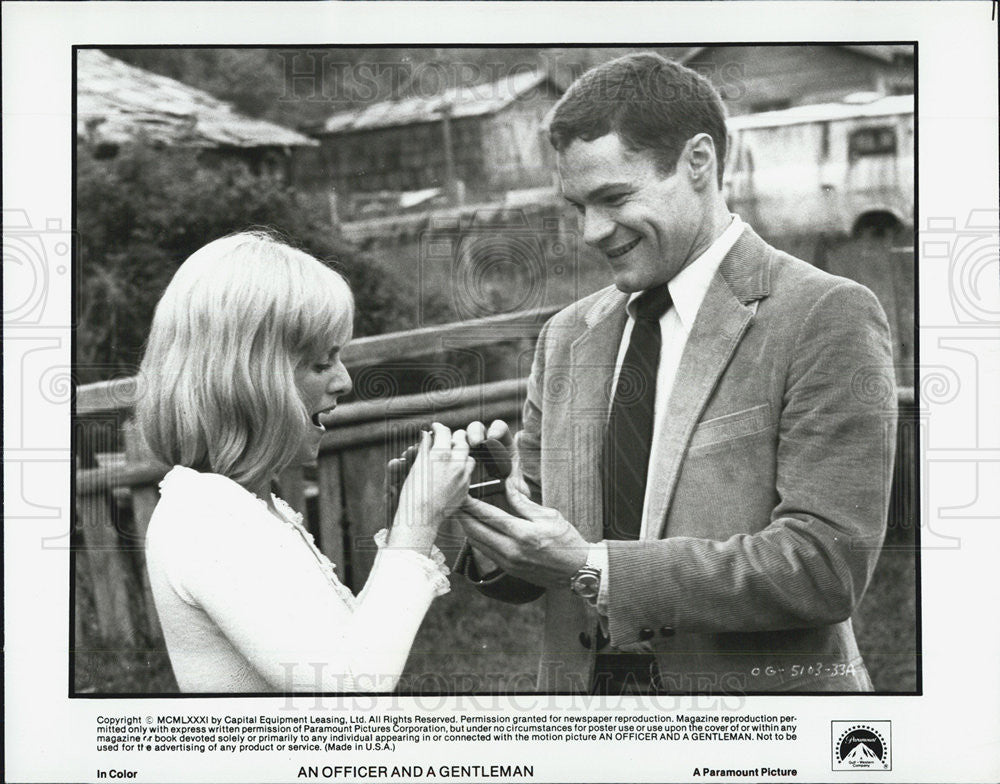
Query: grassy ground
[
  {"x": 885, "y": 623},
  {"x": 492, "y": 647},
  {"x": 471, "y": 644}
]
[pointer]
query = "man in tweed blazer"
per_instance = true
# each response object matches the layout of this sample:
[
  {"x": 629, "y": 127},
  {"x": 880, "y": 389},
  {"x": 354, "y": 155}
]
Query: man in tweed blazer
[{"x": 771, "y": 459}]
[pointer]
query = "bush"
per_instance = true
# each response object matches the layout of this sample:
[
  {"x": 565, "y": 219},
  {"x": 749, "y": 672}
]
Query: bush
[{"x": 140, "y": 214}]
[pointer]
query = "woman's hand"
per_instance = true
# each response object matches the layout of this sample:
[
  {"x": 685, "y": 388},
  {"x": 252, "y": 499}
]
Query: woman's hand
[{"x": 436, "y": 486}]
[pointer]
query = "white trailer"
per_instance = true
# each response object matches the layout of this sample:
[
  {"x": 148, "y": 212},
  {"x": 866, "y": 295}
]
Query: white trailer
[{"x": 835, "y": 168}]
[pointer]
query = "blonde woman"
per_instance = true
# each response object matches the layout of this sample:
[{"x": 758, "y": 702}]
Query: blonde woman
[{"x": 243, "y": 359}]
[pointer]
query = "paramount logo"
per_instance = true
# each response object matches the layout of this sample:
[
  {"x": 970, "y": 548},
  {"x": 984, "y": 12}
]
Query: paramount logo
[{"x": 861, "y": 745}]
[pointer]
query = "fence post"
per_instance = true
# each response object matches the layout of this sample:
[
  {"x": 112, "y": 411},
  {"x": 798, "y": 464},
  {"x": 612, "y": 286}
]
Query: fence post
[
  {"x": 107, "y": 571},
  {"x": 364, "y": 506},
  {"x": 144, "y": 501},
  {"x": 331, "y": 510},
  {"x": 292, "y": 487}
]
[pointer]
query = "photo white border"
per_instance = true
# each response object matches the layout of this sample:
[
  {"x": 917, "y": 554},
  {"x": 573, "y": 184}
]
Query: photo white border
[{"x": 50, "y": 737}]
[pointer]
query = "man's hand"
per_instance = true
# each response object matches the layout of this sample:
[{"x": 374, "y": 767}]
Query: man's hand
[
  {"x": 477, "y": 433},
  {"x": 538, "y": 545}
]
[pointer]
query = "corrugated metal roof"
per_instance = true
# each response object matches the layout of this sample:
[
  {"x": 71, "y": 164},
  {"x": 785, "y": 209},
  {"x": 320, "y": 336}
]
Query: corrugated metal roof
[
  {"x": 816, "y": 112},
  {"x": 465, "y": 101},
  {"x": 118, "y": 103},
  {"x": 884, "y": 52}
]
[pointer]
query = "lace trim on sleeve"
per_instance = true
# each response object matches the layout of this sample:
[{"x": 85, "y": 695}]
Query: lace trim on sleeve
[{"x": 434, "y": 566}]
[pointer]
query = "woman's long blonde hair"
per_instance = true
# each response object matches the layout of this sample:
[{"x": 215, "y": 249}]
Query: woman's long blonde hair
[{"x": 235, "y": 321}]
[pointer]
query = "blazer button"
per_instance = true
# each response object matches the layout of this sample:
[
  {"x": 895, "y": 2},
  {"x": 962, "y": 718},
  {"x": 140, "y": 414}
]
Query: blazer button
[
  {"x": 585, "y": 640},
  {"x": 645, "y": 633},
  {"x": 667, "y": 631}
]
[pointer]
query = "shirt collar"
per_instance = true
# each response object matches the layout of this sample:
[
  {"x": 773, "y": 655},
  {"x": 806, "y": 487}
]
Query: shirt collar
[{"x": 689, "y": 286}]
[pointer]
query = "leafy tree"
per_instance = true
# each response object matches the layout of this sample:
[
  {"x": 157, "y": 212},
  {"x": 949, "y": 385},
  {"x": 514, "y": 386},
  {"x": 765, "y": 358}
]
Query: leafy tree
[{"x": 140, "y": 214}]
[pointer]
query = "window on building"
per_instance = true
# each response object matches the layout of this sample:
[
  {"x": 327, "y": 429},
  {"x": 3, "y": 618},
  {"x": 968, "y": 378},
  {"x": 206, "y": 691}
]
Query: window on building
[{"x": 879, "y": 140}]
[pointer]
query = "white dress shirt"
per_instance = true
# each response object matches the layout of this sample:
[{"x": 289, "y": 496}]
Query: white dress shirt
[{"x": 687, "y": 290}]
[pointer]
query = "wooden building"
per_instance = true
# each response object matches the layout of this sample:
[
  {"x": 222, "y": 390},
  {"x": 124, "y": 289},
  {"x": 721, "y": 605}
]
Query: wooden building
[
  {"x": 473, "y": 142},
  {"x": 767, "y": 78},
  {"x": 119, "y": 104}
]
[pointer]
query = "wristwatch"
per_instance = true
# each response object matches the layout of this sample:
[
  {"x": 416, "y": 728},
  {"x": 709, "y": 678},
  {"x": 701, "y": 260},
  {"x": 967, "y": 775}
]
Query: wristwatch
[{"x": 586, "y": 583}]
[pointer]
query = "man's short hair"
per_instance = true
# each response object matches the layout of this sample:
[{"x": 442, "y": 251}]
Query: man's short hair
[{"x": 653, "y": 104}]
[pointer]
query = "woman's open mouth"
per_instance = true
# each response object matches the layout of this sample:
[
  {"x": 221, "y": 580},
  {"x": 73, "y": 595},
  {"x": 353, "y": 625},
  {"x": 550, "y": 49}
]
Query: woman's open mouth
[{"x": 317, "y": 417}]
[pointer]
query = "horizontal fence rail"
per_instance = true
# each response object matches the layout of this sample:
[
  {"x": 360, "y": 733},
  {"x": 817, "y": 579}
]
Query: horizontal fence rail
[
  {"x": 350, "y": 425},
  {"x": 122, "y": 393}
]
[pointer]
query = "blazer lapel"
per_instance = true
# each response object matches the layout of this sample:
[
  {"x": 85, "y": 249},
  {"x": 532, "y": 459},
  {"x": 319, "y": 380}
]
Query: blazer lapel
[
  {"x": 722, "y": 320},
  {"x": 592, "y": 359}
]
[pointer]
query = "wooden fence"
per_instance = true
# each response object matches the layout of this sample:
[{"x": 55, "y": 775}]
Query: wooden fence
[{"x": 342, "y": 496}]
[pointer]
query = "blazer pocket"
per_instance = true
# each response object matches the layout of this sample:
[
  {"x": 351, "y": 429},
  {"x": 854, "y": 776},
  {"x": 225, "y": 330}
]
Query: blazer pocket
[{"x": 732, "y": 426}]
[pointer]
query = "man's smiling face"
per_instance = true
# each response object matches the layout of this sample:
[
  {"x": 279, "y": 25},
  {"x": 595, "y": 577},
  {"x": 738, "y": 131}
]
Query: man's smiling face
[{"x": 648, "y": 225}]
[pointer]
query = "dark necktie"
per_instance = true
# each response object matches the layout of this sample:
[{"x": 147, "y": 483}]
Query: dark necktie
[{"x": 629, "y": 434}]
